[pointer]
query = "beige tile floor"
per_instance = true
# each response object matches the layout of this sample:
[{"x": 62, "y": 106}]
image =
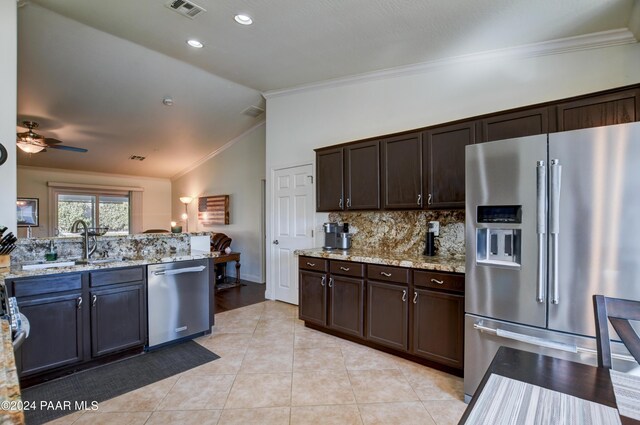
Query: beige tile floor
[{"x": 273, "y": 370}]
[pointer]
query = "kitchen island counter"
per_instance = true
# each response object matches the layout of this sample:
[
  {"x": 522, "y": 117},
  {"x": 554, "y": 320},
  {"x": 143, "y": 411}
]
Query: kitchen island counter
[
  {"x": 453, "y": 264},
  {"x": 9, "y": 387}
]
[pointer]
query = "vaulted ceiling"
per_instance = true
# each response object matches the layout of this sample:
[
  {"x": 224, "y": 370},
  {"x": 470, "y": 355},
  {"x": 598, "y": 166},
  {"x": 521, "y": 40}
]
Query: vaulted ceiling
[{"x": 94, "y": 72}]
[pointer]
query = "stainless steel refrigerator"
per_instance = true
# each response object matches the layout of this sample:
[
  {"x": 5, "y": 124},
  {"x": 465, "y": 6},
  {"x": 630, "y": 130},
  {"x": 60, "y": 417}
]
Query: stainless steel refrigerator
[{"x": 550, "y": 221}]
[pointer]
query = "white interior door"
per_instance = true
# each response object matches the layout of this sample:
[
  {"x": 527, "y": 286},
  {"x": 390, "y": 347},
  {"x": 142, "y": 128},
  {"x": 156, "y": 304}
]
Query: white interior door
[{"x": 293, "y": 215}]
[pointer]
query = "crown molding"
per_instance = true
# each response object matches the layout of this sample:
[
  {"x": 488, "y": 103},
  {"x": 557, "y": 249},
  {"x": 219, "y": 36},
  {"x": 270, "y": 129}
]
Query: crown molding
[
  {"x": 562, "y": 45},
  {"x": 216, "y": 152}
]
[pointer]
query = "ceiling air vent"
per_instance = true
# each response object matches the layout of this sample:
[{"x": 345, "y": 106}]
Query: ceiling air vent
[
  {"x": 185, "y": 8},
  {"x": 137, "y": 158},
  {"x": 253, "y": 111}
]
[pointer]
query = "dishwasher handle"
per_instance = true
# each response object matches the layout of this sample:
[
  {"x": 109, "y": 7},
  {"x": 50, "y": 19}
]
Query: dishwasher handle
[{"x": 172, "y": 272}]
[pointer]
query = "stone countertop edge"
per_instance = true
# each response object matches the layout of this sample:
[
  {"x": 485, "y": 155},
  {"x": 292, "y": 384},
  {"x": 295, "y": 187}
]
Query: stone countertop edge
[
  {"x": 9, "y": 385},
  {"x": 452, "y": 264},
  {"x": 16, "y": 272}
]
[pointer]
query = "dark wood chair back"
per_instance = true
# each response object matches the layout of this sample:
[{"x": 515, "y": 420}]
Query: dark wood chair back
[
  {"x": 618, "y": 312},
  {"x": 156, "y": 231}
]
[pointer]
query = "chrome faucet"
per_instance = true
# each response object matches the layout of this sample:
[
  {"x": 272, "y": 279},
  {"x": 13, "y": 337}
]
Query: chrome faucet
[{"x": 86, "y": 251}]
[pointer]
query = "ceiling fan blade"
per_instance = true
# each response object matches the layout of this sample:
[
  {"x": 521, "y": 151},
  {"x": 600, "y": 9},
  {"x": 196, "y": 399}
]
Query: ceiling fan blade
[
  {"x": 68, "y": 148},
  {"x": 50, "y": 141}
]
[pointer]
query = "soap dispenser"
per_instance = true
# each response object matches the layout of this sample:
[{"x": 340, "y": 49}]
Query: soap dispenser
[{"x": 52, "y": 255}]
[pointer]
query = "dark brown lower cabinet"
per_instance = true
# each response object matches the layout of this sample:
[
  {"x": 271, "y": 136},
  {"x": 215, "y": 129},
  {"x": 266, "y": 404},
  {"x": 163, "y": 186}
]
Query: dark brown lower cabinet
[
  {"x": 388, "y": 314},
  {"x": 56, "y": 335},
  {"x": 312, "y": 302},
  {"x": 438, "y": 332},
  {"x": 118, "y": 318},
  {"x": 346, "y": 309}
]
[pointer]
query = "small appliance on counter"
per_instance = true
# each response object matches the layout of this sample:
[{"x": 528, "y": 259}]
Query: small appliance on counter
[
  {"x": 433, "y": 230},
  {"x": 336, "y": 236}
]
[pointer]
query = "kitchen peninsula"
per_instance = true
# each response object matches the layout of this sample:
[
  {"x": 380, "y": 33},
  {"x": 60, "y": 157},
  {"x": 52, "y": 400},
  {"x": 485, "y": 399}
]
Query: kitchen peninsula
[{"x": 91, "y": 313}]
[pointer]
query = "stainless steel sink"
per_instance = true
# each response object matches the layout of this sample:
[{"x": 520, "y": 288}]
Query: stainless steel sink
[{"x": 99, "y": 261}]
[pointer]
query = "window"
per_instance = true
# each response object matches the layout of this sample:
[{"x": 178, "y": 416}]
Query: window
[{"x": 110, "y": 210}]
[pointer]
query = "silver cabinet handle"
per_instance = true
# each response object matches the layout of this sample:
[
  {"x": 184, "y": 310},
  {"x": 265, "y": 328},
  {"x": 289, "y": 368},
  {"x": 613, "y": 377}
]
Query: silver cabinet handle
[
  {"x": 415, "y": 297},
  {"x": 385, "y": 274},
  {"x": 439, "y": 282},
  {"x": 346, "y": 269},
  {"x": 348, "y": 202},
  {"x": 429, "y": 200},
  {"x": 554, "y": 225},
  {"x": 276, "y": 242},
  {"x": 311, "y": 264},
  {"x": 420, "y": 199},
  {"x": 324, "y": 279},
  {"x": 79, "y": 303},
  {"x": 93, "y": 300},
  {"x": 404, "y": 295},
  {"x": 541, "y": 226},
  {"x": 330, "y": 282},
  {"x": 340, "y": 203}
]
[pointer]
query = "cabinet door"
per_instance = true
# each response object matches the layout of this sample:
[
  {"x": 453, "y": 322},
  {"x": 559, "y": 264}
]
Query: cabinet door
[
  {"x": 516, "y": 124},
  {"x": 363, "y": 176},
  {"x": 438, "y": 332},
  {"x": 312, "y": 306},
  {"x": 329, "y": 180},
  {"x": 346, "y": 310},
  {"x": 443, "y": 162},
  {"x": 596, "y": 111},
  {"x": 118, "y": 318},
  {"x": 387, "y": 314},
  {"x": 402, "y": 171},
  {"x": 56, "y": 335}
]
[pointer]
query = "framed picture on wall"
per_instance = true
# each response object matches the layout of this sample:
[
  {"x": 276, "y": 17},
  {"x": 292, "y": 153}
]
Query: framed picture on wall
[{"x": 27, "y": 212}]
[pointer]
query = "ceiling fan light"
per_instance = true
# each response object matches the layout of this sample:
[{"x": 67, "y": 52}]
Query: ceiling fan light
[{"x": 30, "y": 147}]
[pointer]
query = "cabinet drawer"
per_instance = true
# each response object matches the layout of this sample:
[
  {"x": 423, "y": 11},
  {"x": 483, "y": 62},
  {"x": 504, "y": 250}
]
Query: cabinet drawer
[
  {"x": 450, "y": 282},
  {"x": 347, "y": 268},
  {"x": 109, "y": 277},
  {"x": 310, "y": 263},
  {"x": 46, "y": 284},
  {"x": 388, "y": 274}
]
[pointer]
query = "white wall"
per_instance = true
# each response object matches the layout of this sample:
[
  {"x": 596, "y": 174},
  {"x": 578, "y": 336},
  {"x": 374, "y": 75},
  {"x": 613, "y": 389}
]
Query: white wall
[
  {"x": 8, "y": 84},
  {"x": 299, "y": 121},
  {"x": 237, "y": 171},
  {"x": 156, "y": 197}
]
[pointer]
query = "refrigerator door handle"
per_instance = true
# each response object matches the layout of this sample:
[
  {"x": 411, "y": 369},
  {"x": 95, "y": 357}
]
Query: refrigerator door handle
[
  {"x": 613, "y": 355},
  {"x": 541, "y": 225},
  {"x": 555, "y": 171},
  {"x": 527, "y": 339}
]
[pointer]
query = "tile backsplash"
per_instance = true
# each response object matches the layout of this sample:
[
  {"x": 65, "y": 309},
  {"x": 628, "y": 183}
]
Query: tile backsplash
[{"x": 404, "y": 231}]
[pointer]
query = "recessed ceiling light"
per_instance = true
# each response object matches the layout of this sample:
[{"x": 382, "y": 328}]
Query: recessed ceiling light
[
  {"x": 195, "y": 43},
  {"x": 243, "y": 19}
]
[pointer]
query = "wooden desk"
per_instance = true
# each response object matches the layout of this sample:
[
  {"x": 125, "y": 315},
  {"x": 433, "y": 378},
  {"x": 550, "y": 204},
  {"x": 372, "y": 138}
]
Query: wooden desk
[
  {"x": 575, "y": 379},
  {"x": 225, "y": 258}
]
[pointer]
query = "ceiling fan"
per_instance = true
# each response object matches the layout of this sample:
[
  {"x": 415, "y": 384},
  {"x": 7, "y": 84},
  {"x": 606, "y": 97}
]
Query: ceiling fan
[{"x": 32, "y": 142}]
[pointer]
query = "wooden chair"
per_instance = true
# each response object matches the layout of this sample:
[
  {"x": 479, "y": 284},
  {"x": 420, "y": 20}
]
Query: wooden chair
[{"x": 618, "y": 312}]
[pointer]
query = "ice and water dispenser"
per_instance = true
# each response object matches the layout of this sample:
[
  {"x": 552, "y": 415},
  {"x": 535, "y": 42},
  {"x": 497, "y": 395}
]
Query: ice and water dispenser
[{"x": 498, "y": 236}]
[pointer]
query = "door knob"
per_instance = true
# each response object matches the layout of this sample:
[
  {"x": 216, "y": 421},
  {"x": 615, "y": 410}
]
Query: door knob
[{"x": 276, "y": 242}]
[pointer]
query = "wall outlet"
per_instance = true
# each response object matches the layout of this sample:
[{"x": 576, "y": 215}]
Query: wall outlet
[{"x": 434, "y": 226}]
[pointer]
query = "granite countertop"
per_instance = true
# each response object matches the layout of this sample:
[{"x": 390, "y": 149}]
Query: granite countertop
[
  {"x": 16, "y": 270},
  {"x": 9, "y": 386},
  {"x": 455, "y": 264}
]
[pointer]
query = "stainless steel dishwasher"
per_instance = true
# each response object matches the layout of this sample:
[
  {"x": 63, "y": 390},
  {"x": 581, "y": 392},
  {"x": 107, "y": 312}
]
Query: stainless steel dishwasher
[{"x": 178, "y": 300}]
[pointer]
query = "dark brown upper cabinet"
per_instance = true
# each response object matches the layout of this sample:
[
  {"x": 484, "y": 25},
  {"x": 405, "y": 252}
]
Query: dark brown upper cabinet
[
  {"x": 443, "y": 164},
  {"x": 362, "y": 176},
  {"x": 595, "y": 111},
  {"x": 402, "y": 171},
  {"x": 516, "y": 124},
  {"x": 329, "y": 180}
]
